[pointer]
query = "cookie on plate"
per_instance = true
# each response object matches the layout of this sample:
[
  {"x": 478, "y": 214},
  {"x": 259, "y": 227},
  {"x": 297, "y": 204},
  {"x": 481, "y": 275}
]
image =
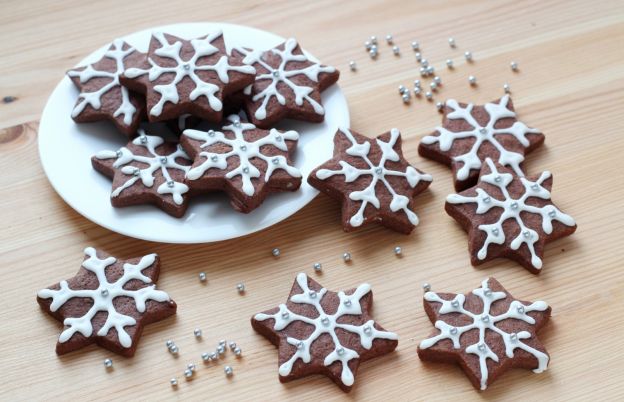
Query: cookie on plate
[
  {"x": 244, "y": 161},
  {"x": 181, "y": 76},
  {"x": 102, "y": 97},
  {"x": 147, "y": 171},
  {"x": 322, "y": 332},
  {"x": 470, "y": 133},
  {"x": 372, "y": 179},
  {"x": 486, "y": 332},
  {"x": 288, "y": 85},
  {"x": 108, "y": 302},
  {"x": 509, "y": 216}
]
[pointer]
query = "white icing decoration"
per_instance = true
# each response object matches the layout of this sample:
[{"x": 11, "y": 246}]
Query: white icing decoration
[
  {"x": 94, "y": 99},
  {"x": 244, "y": 151},
  {"x": 512, "y": 209},
  {"x": 378, "y": 173},
  {"x": 155, "y": 162},
  {"x": 188, "y": 68},
  {"x": 486, "y": 321},
  {"x": 488, "y": 133},
  {"x": 103, "y": 297},
  {"x": 283, "y": 75},
  {"x": 326, "y": 324}
]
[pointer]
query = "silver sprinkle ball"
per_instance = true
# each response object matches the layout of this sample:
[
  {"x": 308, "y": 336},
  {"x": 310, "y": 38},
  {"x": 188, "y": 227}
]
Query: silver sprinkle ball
[
  {"x": 437, "y": 80},
  {"x": 352, "y": 65},
  {"x": 418, "y": 56},
  {"x": 417, "y": 91},
  {"x": 468, "y": 56},
  {"x": 389, "y": 39},
  {"x": 398, "y": 250},
  {"x": 317, "y": 266},
  {"x": 173, "y": 382},
  {"x": 373, "y": 40},
  {"x": 433, "y": 86},
  {"x": 415, "y": 46},
  {"x": 514, "y": 66},
  {"x": 406, "y": 97},
  {"x": 451, "y": 42},
  {"x": 197, "y": 332},
  {"x": 402, "y": 89},
  {"x": 237, "y": 351},
  {"x": 108, "y": 363},
  {"x": 228, "y": 370},
  {"x": 276, "y": 252},
  {"x": 472, "y": 80},
  {"x": 367, "y": 45},
  {"x": 426, "y": 287},
  {"x": 449, "y": 63},
  {"x": 173, "y": 349},
  {"x": 188, "y": 373},
  {"x": 416, "y": 83},
  {"x": 232, "y": 345},
  {"x": 429, "y": 96},
  {"x": 396, "y": 50},
  {"x": 202, "y": 276},
  {"x": 346, "y": 256},
  {"x": 440, "y": 106},
  {"x": 507, "y": 88},
  {"x": 240, "y": 287}
]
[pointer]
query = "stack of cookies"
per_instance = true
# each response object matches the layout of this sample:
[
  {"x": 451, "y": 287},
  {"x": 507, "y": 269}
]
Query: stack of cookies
[{"x": 184, "y": 83}]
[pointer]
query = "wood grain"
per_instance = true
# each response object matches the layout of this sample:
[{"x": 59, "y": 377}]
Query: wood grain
[{"x": 570, "y": 85}]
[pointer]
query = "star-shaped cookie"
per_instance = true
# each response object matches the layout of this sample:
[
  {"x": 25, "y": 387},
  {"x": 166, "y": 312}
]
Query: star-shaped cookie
[
  {"x": 509, "y": 216},
  {"x": 102, "y": 97},
  {"x": 372, "y": 179},
  {"x": 246, "y": 162},
  {"x": 322, "y": 332},
  {"x": 108, "y": 302},
  {"x": 288, "y": 85},
  {"x": 471, "y": 133},
  {"x": 188, "y": 77},
  {"x": 147, "y": 171},
  {"x": 486, "y": 332}
]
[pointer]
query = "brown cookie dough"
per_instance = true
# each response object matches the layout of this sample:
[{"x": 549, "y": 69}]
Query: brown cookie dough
[
  {"x": 509, "y": 216},
  {"x": 322, "y": 332},
  {"x": 486, "y": 332},
  {"x": 108, "y": 302},
  {"x": 373, "y": 181},
  {"x": 470, "y": 133}
]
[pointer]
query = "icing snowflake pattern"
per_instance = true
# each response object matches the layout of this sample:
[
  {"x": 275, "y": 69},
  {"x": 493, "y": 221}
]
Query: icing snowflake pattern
[
  {"x": 103, "y": 297},
  {"x": 94, "y": 99},
  {"x": 486, "y": 321},
  {"x": 326, "y": 324},
  {"x": 481, "y": 134},
  {"x": 512, "y": 209},
  {"x": 378, "y": 172},
  {"x": 202, "y": 48},
  {"x": 244, "y": 151},
  {"x": 281, "y": 74},
  {"x": 155, "y": 162}
]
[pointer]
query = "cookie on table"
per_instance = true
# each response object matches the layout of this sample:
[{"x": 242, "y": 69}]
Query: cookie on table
[
  {"x": 246, "y": 162},
  {"x": 102, "y": 97},
  {"x": 147, "y": 170},
  {"x": 108, "y": 302},
  {"x": 486, "y": 332},
  {"x": 322, "y": 332},
  {"x": 470, "y": 133},
  {"x": 181, "y": 76},
  {"x": 373, "y": 181},
  {"x": 509, "y": 216},
  {"x": 288, "y": 85}
]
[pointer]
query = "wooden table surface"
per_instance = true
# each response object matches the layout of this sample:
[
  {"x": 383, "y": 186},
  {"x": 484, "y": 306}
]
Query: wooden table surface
[{"x": 570, "y": 85}]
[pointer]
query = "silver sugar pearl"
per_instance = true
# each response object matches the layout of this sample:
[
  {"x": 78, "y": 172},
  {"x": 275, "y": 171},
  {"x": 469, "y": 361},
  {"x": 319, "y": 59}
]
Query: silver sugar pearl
[
  {"x": 285, "y": 315},
  {"x": 429, "y": 96},
  {"x": 455, "y": 303},
  {"x": 418, "y": 56},
  {"x": 169, "y": 343},
  {"x": 173, "y": 382},
  {"x": 214, "y": 158},
  {"x": 398, "y": 250},
  {"x": 433, "y": 86},
  {"x": 415, "y": 46},
  {"x": 214, "y": 356},
  {"x": 118, "y": 153},
  {"x": 211, "y": 133},
  {"x": 186, "y": 66},
  {"x": 481, "y": 347},
  {"x": 424, "y": 63},
  {"x": 535, "y": 186},
  {"x": 237, "y": 122},
  {"x": 243, "y": 147},
  {"x": 346, "y": 257},
  {"x": 487, "y": 199},
  {"x": 373, "y": 40},
  {"x": 368, "y": 330},
  {"x": 202, "y": 276},
  {"x": 317, "y": 266},
  {"x": 472, "y": 80},
  {"x": 206, "y": 357},
  {"x": 423, "y": 72},
  {"x": 406, "y": 97},
  {"x": 232, "y": 345},
  {"x": 191, "y": 366},
  {"x": 245, "y": 170},
  {"x": 507, "y": 88},
  {"x": 449, "y": 63},
  {"x": 228, "y": 370},
  {"x": 495, "y": 232},
  {"x": 240, "y": 287},
  {"x": 312, "y": 294},
  {"x": 237, "y": 351},
  {"x": 197, "y": 332},
  {"x": 104, "y": 292},
  {"x": 367, "y": 45},
  {"x": 173, "y": 349},
  {"x": 497, "y": 179},
  {"x": 221, "y": 349},
  {"x": 163, "y": 160},
  {"x": 300, "y": 345},
  {"x": 347, "y": 302},
  {"x": 430, "y": 70},
  {"x": 416, "y": 83},
  {"x": 188, "y": 373},
  {"x": 453, "y": 331},
  {"x": 389, "y": 39},
  {"x": 520, "y": 309},
  {"x": 402, "y": 89},
  {"x": 170, "y": 183},
  {"x": 437, "y": 80},
  {"x": 552, "y": 213},
  {"x": 136, "y": 172},
  {"x": 513, "y": 336},
  {"x": 487, "y": 292},
  {"x": 275, "y": 161},
  {"x": 373, "y": 53},
  {"x": 325, "y": 321},
  {"x": 143, "y": 139},
  {"x": 526, "y": 234},
  {"x": 378, "y": 170},
  {"x": 485, "y": 318},
  {"x": 451, "y": 42},
  {"x": 483, "y": 131},
  {"x": 514, "y": 205},
  {"x": 276, "y": 252},
  {"x": 352, "y": 65},
  {"x": 396, "y": 50},
  {"x": 340, "y": 351},
  {"x": 514, "y": 66},
  {"x": 417, "y": 91},
  {"x": 108, "y": 363},
  {"x": 468, "y": 56},
  {"x": 426, "y": 287}
]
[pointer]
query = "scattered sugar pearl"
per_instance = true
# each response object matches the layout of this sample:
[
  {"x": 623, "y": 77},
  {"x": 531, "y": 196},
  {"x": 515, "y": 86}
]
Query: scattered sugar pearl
[
  {"x": 240, "y": 287},
  {"x": 440, "y": 106},
  {"x": 424, "y": 62},
  {"x": 276, "y": 252},
  {"x": 429, "y": 96},
  {"x": 449, "y": 63},
  {"x": 346, "y": 257},
  {"x": 373, "y": 40},
  {"x": 228, "y": 370},
  {"x": 416, "y": 83},
  {"x": 373, "y": 53},
  {"x": 202, "y": 276},
  {"x": 415, "y": 46},
  {"x": 191, "y": 366},
  {"x": 472, "y": 80},
  {"x": 406, "y": 97},
  {"x": 389, "y": 39},
  {"x": 238, "y": 352},
  {"x": 232, "y": 345},
  {"x": 418, "y": 56},
  {"x": 451, "y": 42},
  {"x": 197, "y": 332},
  {"x": 437, "y": 80},
  {"x": 507, "y": 88},
  {"x": 398, "y": 250},
  {"x": 174, "y": 349},
  {"x": 417, "y": 91},
  {"x": 396, "y": 50},
  {"x": 426, "y": 287},
  {"x": 318, "y": 267},
  {"x": 188, "y": 374},
  {"x": 433, "y": 86},
  {"x": 174, "y": 382},
  {"x": 352, "y": 65},
  {"x": 423, "y": 72},
  {"x": 514, "y": 66},
  {"x": 108, "y": 363},
  {"x": 468, "y": 56},
  {"x": 367, "y": 45}
]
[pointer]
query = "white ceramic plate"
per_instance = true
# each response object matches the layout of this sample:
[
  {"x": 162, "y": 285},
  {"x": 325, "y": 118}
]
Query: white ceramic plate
[{"x": 66, "y": 148}]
